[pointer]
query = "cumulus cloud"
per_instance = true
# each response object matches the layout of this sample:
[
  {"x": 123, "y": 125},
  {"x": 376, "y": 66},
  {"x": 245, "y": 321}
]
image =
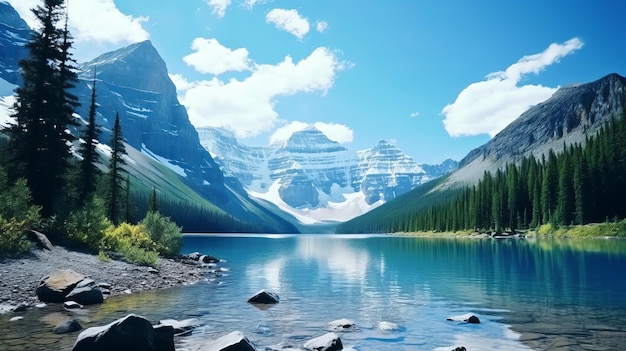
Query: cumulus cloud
[
  {"x": 289, "y": 21},
  {"x": 90, "y": 21},
  {"x": 334, "y": 131},
  {"x": 321, "y": 26},
  {"x": 250, "y": 3},
  {"x": 490, "y": 105},
  {"x": 246, "y": 107},
  {"x": 213, "y": 58},
  {"x": 219, "y": 7}
]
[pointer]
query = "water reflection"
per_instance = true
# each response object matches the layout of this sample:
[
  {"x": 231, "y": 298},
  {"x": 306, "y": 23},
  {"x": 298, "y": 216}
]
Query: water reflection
[{"x": 545, "y": 293}]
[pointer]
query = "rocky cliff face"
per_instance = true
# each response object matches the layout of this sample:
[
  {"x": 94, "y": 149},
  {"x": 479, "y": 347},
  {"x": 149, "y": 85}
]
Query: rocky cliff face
[
  {"x": 308, "y": 172},
  {"x": 569, "y": 116}
]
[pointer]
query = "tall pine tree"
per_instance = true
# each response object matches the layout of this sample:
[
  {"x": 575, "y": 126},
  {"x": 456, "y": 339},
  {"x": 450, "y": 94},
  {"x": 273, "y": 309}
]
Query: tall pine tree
[
  {"x": 39, "y": 138},
  {"x": 89, "y": 171},
  {"x": 115, "y": 186}
]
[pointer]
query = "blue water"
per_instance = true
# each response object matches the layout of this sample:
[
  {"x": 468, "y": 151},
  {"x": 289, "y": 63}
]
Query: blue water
[
  {"x": 566, "y": 295},
  {"x": 529, "y": 295}
]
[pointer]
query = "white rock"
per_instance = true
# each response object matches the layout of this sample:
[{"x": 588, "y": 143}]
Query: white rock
[
  {"x": 326, "y": 342},
  {"x": 388, "y": 326},
  {"x": 16, "y": 318},
  {"x": 343, "y": 325}
]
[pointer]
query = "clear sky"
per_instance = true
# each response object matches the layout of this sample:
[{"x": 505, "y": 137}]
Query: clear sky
[{"x": 436, "y": 78}]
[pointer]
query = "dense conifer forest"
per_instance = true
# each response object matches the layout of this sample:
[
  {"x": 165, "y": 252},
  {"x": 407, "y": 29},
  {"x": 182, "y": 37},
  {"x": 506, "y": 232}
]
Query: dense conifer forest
[{"x": 584, "y": 183}]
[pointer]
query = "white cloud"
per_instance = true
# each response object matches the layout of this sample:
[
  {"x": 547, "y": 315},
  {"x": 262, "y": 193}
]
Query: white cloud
[
  {"x": 334, "y": 131},
  {"x": 250, "y": 3},
  {"x": 289, "y": 21},
  {"x": 219, "y": 6},
  {"x": 490, "y": 105},
  {"x": 415, "y": 114},
  {"x": 246, "y": 107},
  {"x": 213, "y": 58},
  {"x": 321, "y": 26},
  {"x": 93, "y": 22}
]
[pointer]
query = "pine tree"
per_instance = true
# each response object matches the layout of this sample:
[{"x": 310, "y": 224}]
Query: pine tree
[
  {"x": 89, "y": 171},
  {"x": 153, "y": 205},
  {"x": 39, "y": 138},
  {"x": 116, "y": 171}
]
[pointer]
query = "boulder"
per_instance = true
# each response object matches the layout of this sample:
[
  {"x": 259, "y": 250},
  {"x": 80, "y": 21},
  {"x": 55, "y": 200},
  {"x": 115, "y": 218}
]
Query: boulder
[
  {"x": 68, "y": 327},
  {"x": 194, "y": 256},
  {"x": 129, "y": 333},
  {"x": 56, "y": 286},
  {"x": 86, "y": 293},
  {"x": 468, "y": 318},
  {"x": 388, "y": 326},
  {"x": 343, "y": 325},
  {"x": 208, "y": 259},
  {"x": 264, "y": 297},
  {"x": 234, "y": 341},
  {"x": 41, "y": 240},
  {"x": 326, "y": 342},
  {"x": 181, "y": 328}
]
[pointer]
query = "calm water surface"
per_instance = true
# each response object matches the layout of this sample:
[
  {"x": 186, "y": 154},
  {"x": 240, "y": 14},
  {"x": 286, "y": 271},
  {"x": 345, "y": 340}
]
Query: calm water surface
[{"x": 529, "y": 295}]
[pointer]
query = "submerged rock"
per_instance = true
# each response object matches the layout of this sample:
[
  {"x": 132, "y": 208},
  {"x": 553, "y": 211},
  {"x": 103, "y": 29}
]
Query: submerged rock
[
  {"x": 181, "y": 328},
  {"x": 326, "y": 342},
  {"x": 72, "y": 305},
  {"x": 126, "y": 334},
  {"x": 388, "y": 326},
  {"x": 264, "y": 297},
  {"x": 68, "y": 327},
  {"x": 343, "y": 325},
  {"x": 234, "y": 341}
]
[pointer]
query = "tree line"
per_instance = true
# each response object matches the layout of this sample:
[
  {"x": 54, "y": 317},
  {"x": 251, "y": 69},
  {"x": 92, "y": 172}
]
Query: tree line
[{"x": 584, "y": 183}]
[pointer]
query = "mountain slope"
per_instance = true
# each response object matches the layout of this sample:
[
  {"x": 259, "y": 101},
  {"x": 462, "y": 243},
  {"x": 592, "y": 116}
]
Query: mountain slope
[{"x": 571, "y": 115}]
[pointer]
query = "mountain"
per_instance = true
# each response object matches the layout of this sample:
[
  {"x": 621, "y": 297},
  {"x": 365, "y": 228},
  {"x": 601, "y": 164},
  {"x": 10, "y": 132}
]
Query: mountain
[
  {"x": 14, "y": 34},
  {"x": 572, "y": 115},
  {"x": 316, "y": 179},
  {"x": 163, "y": 146},
  {"x": 569, "y": 116}
]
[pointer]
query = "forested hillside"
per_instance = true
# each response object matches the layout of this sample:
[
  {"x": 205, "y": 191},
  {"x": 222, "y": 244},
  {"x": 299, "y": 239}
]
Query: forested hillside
[{"x": 582, "y": 184}]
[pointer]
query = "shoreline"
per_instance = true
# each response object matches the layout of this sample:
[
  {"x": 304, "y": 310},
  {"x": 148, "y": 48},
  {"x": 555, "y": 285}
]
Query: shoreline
[{"x": 20, "y": 277}]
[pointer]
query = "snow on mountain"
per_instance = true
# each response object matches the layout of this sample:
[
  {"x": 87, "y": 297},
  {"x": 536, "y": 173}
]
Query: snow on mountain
[{"x": 316, "y": 179}]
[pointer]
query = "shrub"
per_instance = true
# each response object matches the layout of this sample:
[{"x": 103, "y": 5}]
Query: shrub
[
  {"x": 133, "y": 242},
  {"x": 87, "y": 225},
  {"x": 13, "y": 239},
  {"x": 165, "y": 234}
]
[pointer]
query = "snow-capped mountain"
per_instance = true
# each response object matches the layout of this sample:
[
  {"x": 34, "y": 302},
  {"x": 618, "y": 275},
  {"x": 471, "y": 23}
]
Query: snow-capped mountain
[{"x": 317, "y": 179}]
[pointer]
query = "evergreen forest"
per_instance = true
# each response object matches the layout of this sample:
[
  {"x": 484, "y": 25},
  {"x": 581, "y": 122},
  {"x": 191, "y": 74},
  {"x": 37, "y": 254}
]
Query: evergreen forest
[{"x": 582, "y": 184}]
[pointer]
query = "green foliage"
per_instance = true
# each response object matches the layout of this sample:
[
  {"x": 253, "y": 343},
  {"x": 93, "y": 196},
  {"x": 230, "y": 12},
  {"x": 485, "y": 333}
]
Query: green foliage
[
  {"x": 86, "y": 226},
  {"x": 164, "y": 233},
  {"x": 580, "y": 185},
  {"x": 12, "y": 237},
  {"x": 133, "y": 242}
]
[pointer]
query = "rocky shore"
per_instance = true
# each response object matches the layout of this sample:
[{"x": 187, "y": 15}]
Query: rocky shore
[{"x": 20, "y": 277}]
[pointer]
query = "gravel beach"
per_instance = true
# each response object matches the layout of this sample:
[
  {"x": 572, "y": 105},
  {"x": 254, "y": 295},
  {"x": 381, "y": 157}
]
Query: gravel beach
[{"x": 20, "y": 277}]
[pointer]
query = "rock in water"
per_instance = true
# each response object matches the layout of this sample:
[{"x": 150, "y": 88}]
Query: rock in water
[
  {"x": 468, "y": 318},
  {"x": 181, "y": 328},
  {"x": 326, "y": 342},
  {"x": 55, "y": 287},
  {"x": 68, "y": 327},
  {"x": 86, "y": 293},
  {"x": 234, "y": 341},
  {"x": 131, "y": 333},
  {"x": 264, "y": 297},
  {"x": 343, "y": 325}
]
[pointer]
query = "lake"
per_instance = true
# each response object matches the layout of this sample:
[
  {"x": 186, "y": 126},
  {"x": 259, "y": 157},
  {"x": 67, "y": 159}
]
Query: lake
[{"x": 529, "y": 294}]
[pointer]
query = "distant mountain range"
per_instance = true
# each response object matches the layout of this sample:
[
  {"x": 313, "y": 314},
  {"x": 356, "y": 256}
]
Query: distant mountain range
[
  {"x": 306, "y": 179},
  {"x": 317, "y": 179}
]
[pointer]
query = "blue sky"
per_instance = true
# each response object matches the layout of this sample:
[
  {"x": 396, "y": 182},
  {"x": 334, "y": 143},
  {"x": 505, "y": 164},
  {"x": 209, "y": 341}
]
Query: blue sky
[{"x": 436, "y": 78}]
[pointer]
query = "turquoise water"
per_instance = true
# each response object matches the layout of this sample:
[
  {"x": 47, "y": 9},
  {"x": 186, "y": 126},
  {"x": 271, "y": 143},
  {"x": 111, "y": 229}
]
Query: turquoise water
[
  {"x": 529, "y": 295},
  {"x": 548, "y": 295}
]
